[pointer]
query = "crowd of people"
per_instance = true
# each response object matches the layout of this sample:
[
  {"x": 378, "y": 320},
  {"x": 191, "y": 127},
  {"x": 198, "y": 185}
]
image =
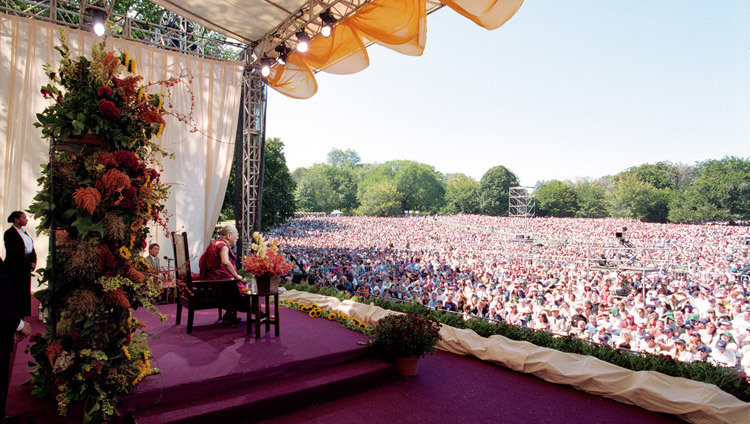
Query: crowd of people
[{"x": 679, "y": 290}]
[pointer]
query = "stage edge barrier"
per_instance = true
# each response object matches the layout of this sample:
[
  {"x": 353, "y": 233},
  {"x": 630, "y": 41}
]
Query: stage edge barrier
[{"x": 690, "y": 400}]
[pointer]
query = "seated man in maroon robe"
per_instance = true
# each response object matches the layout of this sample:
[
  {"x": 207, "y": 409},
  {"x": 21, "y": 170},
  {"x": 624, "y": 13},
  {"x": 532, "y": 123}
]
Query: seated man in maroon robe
[{"x": 218, "y": 263}]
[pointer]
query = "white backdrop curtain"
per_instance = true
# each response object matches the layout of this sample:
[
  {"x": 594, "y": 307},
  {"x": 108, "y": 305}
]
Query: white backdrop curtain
[{"x": 203, "y": 159}]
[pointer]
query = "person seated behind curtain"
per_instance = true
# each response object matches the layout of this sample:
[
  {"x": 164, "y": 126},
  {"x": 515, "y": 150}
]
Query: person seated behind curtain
[{"x": 218, "y": 263}]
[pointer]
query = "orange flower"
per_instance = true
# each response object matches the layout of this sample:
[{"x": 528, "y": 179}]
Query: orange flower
[
  {"x": 106, "y": 159},
  {"x": 116, "y": 297},
  {"x": 151, "y": 117},
  {"x": 113, "y": 181},
  {"x": 87, "y": 198},
  {"x": 53, "y": 349},
  {"x": 136, "y": 275}
]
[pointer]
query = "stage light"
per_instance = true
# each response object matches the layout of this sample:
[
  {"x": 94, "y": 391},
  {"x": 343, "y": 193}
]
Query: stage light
[
  {"x": 98, "y": 17},
  {"x": 328, "y": 22},
  {"x": 303, "y": 41},
  {"x": 265, "y": 67},
  {"x": 283, "y": 52}
]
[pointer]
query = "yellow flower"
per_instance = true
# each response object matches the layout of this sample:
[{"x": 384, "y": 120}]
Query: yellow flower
[
  {"x": 124, "y": 252},
  {"x": 136, "y": 225},
  {"x": 161, "y": 101},
  {"x": 345, "y": 316},
  {"x": 311, "y": 313},
  {"x": 132, "y": 240},
  {"x": 160, "y": 131},
  {"x": 363, "y": 325},
  {"x": 332, "y": 316},
  {"x": 126, "y": 352},
  {"x": 131, "y": 66}
]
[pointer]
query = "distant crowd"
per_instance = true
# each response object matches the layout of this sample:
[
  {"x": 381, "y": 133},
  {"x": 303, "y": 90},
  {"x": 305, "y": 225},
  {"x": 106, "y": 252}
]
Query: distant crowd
[{"x": 679, "y": 290}]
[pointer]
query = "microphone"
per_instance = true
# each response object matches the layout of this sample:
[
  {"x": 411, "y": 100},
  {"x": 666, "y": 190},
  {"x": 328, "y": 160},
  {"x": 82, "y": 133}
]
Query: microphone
[{"x": 168, "y": 259}]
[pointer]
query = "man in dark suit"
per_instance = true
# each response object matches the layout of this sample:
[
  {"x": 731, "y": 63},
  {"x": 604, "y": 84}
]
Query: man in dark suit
[
  {"x": 20, "y": 259},
  {"x": 12, "y": 328}
]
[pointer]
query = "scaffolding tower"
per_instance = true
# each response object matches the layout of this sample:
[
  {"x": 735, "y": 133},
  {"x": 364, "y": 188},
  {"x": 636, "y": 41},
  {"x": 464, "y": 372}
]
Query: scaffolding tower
[{"x": 521, "y": 203}]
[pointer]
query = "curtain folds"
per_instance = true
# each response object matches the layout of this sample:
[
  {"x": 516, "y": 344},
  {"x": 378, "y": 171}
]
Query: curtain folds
[
  {"x": 203, "y": 158},
  {"x": 399, "y": 25}
]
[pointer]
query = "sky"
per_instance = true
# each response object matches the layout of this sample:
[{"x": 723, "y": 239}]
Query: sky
[{"x": 564, "y": 90}]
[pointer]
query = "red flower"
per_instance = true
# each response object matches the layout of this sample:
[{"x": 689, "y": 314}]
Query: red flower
[
  {"x": 109, "y": 109},
  {"x": 103, "y": 91},
  {"x": 127, "y": 159},
  {"x": 47, "y": 94}
]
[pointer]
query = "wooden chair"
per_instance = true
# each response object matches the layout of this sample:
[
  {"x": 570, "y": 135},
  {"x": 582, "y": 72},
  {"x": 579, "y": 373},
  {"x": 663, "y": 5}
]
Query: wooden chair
[{"x": 199, "y": 294}]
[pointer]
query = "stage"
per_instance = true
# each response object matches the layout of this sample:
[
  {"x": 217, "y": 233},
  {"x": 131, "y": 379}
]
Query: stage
[{"x": 315, "y": 371}]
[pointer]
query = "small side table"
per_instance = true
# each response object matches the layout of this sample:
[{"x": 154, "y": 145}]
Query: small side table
[{"x": 253, "y": 313}]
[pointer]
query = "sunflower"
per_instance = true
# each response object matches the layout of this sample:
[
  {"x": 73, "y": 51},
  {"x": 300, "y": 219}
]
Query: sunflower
[{"x": 332, "y": 316}]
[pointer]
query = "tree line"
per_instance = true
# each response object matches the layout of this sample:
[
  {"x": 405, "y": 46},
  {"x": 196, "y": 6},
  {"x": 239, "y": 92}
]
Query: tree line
[{"x": 716, "y": 190}]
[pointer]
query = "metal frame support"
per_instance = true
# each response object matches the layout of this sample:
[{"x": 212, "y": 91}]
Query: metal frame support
[
  {"x": 249, "y": 157},
  {"x": 521, "y": 202}
]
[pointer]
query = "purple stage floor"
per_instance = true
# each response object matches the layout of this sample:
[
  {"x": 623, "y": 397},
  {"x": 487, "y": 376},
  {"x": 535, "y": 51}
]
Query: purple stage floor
[{"x": 449, "y": 388}]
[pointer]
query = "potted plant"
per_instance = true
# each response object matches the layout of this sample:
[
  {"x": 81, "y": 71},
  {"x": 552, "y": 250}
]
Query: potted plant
[
  {"x": 406, "y": 338},
  {"x": 266, "y": 264}
]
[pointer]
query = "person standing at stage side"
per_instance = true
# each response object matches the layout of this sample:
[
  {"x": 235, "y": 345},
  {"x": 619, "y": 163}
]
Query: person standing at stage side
[
  {"x": 20, "y": 259},
  {"x": 12, "y": 329}
]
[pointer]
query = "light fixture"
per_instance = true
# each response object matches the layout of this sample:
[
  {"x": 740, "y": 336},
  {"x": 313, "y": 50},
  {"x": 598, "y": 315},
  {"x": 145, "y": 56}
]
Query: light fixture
[
  {"x": 98, "y": 17},
  {"x": 265, "y": 67},
  {"x": 303, "y": 41},
  {"x": 283, "y": 52},
  {"x": 328, "y": 21}
]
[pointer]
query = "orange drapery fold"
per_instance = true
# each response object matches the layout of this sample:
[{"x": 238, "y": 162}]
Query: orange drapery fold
[
  {"x": 399, "y": 25},
  {"x": 489, "y": 14},
  {"x": 341, "y": 53},
  {"x": 295, "y": 79}
]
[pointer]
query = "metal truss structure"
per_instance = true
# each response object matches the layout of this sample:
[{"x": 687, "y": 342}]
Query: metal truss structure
[
  {"x": 249, "y": 158},
  {"x": 307, "y": 18},
  {"x": 173, "y": 32},
  {"x": 176, "y": 33},
  {"x": 521, "y": 203}
]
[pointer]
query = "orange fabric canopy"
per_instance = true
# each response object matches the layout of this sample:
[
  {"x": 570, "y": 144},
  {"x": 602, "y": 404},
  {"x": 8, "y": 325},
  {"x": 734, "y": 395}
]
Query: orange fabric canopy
[{"x": 399, "y": 25}]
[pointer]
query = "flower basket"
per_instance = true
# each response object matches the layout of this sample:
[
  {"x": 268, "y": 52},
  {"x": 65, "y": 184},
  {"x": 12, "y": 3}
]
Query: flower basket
[
  {"x": 406, "y": 335},
  {"x": 267, "y": 284}
]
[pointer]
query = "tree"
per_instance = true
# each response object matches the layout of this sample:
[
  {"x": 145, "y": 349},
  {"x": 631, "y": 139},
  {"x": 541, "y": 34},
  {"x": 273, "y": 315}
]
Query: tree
[
  {"x": 720, "y": 192},
  {"x": 278, "y": 186},
  {"x": 420, "y": 187},
  {"x": 591, "y": 197},
  {"x": 661, "y": 175},
  {"x": 313, "y": 192},
  {"x": 493, "y": 190},
  {"x": 555, "y": 198},
  {"x": 633, "y": 198},
  {"x": 381, "y": 199},
  {"x": 461, "y": 195},
  {"x": 343, "y": 158}
]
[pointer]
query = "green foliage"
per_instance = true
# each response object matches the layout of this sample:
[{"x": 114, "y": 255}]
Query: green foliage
[
  {"x": 419, "y": 185},
  {"x": 278, "y": 186},
  {"x": 406, "y": 335},
  {"x": 591, "y": 199},
  {"x": 381, "y": 199},
  {"x": 461, "y": 195},
  {"x": 661, "y": 175},
  {"x": 493, "y": 190},
  {"x": 555, "y": 198},
  {"x": 720, "y": 192},
  {"x": 343, "y": 158},
  {"x": 633, "y": 198}
]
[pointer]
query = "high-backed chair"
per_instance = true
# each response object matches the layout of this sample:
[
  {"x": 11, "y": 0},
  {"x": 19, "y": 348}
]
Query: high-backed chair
[{"x": 199, "y": 294}]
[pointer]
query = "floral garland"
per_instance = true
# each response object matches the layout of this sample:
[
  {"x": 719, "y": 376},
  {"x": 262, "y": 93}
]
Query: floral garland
[
  {"x": 315, "y": 311},
  {"x": 93, "y": 350}
]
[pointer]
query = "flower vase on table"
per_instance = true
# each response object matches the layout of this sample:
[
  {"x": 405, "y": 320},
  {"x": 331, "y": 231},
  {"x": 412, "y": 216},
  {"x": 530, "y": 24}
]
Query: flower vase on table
[{"x": 267, "y": 284}]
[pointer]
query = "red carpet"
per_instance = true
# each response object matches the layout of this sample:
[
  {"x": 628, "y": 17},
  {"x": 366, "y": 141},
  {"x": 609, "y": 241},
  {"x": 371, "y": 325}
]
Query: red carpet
[{"x": 318, "y": 365}]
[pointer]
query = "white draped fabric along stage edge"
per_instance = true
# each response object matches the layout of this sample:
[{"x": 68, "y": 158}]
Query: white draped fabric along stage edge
[{"x": 203, "y": 160}]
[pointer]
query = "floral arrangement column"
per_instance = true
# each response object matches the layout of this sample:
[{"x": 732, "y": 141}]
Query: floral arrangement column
[{"x": 100, "y": 204}]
